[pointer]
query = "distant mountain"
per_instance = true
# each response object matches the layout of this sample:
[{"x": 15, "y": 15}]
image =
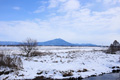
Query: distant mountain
[
  {"x": 9, "y": 43},
  {"x": 54, "y": 42}
]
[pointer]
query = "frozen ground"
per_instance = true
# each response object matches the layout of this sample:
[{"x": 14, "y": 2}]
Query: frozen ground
[{"x": 64, "y": 62}]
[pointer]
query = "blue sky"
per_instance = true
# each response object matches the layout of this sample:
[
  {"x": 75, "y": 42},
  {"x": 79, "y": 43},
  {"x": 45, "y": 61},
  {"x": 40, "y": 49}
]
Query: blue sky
[{"x": 77, "y": 21}]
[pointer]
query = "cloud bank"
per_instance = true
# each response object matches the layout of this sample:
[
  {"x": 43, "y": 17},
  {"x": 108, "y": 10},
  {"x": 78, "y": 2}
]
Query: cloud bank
[{"x": 68, "y": 19}]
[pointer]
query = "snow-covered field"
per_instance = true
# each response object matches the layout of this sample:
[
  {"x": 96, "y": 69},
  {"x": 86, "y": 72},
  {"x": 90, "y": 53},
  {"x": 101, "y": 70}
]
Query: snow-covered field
[{"x": 64, "y": 62}]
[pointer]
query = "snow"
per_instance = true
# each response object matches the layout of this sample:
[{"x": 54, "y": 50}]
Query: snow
[{"x": 64, "y": 60}]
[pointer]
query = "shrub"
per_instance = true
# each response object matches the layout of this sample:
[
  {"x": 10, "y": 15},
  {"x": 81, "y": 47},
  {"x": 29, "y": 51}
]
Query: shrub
[
  {"x": 66, "y": 74},
  {"x": 113, "y": 48},
  {"x": 37, "y": 53},
  {"x": 28, "y": 46},
  {"x": 10, "y": 61}
]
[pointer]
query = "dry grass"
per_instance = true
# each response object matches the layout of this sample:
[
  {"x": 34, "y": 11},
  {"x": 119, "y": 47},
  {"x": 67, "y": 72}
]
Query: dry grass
[
  {"x": 10, "y": 61},
  {"x": 37, "y": 53},
  {"x": 66, "y": 74}
]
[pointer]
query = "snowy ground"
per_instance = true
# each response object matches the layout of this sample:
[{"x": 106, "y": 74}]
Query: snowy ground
[{"x": 64, "y": 62}]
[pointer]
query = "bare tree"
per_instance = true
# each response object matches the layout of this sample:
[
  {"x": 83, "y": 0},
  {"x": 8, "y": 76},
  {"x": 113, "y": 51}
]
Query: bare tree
[{"x": 29, "y": 46}]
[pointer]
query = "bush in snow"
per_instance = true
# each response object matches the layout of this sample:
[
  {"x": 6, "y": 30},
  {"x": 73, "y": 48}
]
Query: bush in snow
[
  {"x": 10, "y": 61},
  {"x": 37, "y": 53},
  {"x": 29, "y": 46},
  {"x": 67, "y": 73},
  {"x": 113, "y": 48}
]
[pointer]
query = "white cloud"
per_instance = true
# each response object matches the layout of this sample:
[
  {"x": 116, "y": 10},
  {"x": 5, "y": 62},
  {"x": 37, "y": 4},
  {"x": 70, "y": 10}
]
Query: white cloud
[
  {"x": 72, "y": 5},
  {"x": 40, "y": 9},
  {"x": 109, "y": 2},
  {"x": 112, "y": 2},
  {"x": 53, "y": 3},
  {"x": 80, "y": 26},
  {"x": 69, "y": 5},
  {"x": 16, "y": 8},
  {"x": 64, "y": 5},
  {"x": 77, "y": 24},
  {"x": 24, "y": 29}
]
